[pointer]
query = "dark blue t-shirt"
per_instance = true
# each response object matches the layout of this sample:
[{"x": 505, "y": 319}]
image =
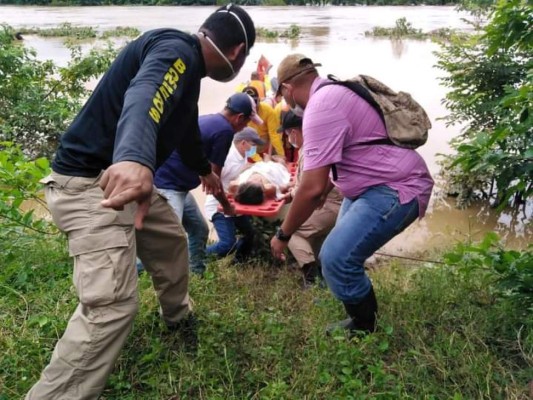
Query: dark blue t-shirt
[
  {"x": 217, "y": 134},
  {"x": 144, "y": 107}
]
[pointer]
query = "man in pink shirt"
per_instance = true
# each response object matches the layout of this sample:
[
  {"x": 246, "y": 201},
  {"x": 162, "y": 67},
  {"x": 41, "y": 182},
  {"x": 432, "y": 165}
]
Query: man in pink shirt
[{"x": 385, "y": 187}]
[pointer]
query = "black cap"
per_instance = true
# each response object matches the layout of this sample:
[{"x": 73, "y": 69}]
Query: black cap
[{"x": 290, "y": 120}]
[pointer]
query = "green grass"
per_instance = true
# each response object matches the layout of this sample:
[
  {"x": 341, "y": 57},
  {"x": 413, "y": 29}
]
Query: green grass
[{"x": 442, "y": 335}]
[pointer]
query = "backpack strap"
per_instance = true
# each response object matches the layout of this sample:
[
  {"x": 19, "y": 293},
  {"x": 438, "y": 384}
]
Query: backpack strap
[
  {"x": 357, "y": 88},
  {"x": 362, "y": 92}
]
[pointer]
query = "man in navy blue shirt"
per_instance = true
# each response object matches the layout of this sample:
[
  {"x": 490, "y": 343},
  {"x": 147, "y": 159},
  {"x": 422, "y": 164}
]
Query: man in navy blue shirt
[
  {"x": 175, "y": 180},
  {"x": 101, "y": 195}
]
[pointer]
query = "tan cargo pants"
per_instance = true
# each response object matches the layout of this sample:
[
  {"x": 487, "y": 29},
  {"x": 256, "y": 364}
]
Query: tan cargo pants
[
  {"x": 306, "y": 242},
  {"x": 104, "y": 244}
]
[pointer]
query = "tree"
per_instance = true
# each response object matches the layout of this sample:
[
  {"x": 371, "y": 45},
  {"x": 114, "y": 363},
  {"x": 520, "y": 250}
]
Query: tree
[
  {"x": 38, "y": 99},
  {"x": 490, "y": 76}
]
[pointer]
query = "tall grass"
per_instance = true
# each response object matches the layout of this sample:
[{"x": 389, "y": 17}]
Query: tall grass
[{"x": 442, "y": 335}]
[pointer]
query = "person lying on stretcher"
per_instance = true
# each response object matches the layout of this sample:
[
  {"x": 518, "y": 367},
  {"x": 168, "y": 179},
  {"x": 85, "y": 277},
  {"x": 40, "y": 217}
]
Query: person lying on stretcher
[{"x": 265, "y": 179}]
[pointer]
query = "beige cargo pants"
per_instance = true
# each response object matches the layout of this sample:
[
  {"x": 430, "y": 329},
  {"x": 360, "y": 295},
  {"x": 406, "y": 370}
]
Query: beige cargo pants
[
  {"x": 104, "y": 244},
  {"x": 306, "y": 242}
]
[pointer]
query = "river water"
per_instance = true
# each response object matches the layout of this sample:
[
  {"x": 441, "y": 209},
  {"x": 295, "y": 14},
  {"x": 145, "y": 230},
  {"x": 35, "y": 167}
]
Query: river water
[{"x": 333, "y": 36}]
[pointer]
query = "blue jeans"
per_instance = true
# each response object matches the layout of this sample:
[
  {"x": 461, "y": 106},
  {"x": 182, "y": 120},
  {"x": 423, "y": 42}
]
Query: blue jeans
[
  {"x": 226, "y": 228},
  {"x": 194, "y": 224},
  {"x": 363, "y": 225}
]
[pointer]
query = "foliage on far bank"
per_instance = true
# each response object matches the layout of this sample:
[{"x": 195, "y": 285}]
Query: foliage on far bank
[
  {"x": 39, "y": 99},
  {"x": 66, "y": 29},
  {"x": 403, "y": 29},
  {"x": 490, "y": 81},
  {"x": 292, "y": 32},
  {"x": 121, "y": 31}
]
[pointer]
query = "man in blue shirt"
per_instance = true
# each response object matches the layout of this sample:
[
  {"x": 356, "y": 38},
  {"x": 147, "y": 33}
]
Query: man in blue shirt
[{"x": 175, "y": 180}]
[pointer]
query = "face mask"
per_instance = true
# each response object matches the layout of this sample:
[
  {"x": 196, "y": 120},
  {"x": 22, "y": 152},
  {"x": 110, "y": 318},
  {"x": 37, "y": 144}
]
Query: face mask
[
  {"x": 297, "y": 110},
  {"x": 290, "y": 141},
  {"x": 251, "y": 152},
  {"x": 233, "y": 73},
  {"x": 295, "y": 107},
  {"x": 293, "y": 144}
]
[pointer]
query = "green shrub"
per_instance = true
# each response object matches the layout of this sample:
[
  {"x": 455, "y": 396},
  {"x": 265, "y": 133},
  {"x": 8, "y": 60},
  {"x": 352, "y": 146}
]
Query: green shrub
[
  {"x": 126, "y": 31},
  {"x": 38, "y": 99},
  {"x": 490, "y": 82},
  {"x": 402, "y": 29},
  {"x": 509, "y": 273},
  {"x": 293, "y": 32},
  {"x": 266, "y": 33},
  {"x": 19, "y": 184},
  {"x": 66, "y": 29}
]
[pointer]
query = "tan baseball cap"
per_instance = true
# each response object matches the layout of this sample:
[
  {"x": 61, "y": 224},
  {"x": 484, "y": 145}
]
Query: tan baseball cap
[{"x": 293, "y": 65}]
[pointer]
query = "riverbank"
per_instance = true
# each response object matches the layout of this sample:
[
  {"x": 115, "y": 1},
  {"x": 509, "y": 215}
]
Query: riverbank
[
  {"x": 442, "y": 334},
  {"x": 335, "y": 37}
]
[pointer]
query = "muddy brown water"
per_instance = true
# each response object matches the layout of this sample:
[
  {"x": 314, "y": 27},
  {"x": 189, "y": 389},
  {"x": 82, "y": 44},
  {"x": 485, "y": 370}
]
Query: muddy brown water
[{"x": 333, "y": 36}]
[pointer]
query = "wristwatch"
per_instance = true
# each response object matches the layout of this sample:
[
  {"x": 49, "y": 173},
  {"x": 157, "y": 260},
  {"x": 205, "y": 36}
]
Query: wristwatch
[{"x": 280, "y": 235}]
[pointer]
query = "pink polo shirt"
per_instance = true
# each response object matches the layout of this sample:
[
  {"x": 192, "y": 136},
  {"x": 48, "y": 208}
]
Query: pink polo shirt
[{"x": 336, "y": 123}]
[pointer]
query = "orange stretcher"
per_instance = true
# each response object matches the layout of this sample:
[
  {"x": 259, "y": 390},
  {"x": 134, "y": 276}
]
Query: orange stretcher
[{"x": 268, "y": 208}]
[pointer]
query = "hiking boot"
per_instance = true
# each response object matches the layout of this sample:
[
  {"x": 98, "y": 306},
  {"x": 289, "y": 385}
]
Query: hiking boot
[
  {"x": 187, "y": 329},
  {"x": 362, "y": 316},
  {"x": 311, "y": 273}
]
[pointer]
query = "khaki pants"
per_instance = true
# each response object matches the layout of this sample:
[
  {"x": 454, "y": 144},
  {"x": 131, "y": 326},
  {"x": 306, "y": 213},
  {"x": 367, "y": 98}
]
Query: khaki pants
[
  {"x": 306, "y": 242},
  {"x": 104, "y": 244}
]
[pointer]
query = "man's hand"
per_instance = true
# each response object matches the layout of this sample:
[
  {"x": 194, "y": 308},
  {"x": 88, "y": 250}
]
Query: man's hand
[
  {"x": 128, "y": 181},
  {"x": 279, "y": 159},
  {"x": 211, "y": 184},
  {"x": 277, "y": 247},
  {"x": 287, "y": 196},
  {"x": 229, "y": 210}
]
